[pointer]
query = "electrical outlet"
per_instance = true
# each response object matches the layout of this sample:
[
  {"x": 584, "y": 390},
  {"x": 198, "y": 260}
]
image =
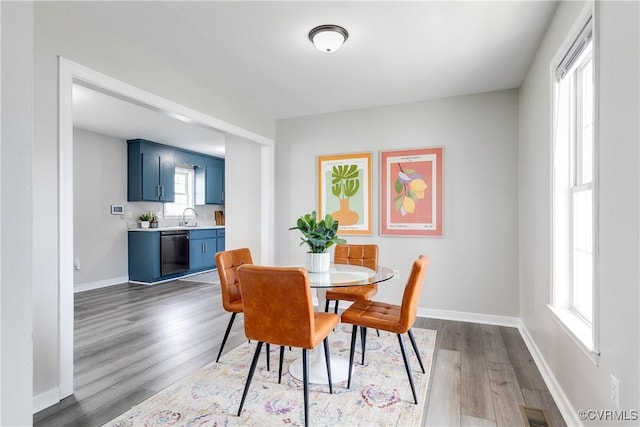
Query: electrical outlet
[
  {"x": 614, "y": 389},
  {"x": 76, "y": 263},
  {"x": 396, "y": 274}
]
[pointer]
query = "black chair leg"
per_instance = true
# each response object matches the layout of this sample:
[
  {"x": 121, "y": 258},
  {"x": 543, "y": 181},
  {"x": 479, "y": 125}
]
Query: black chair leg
[
  {"x": 280, "y": 369},
  {"x": 305, "y": 381},
  {"x": 251, "y": 371},
  {"x": 326, "y": 306},
  {"x": 354, "y": 334},
  {"x": 268, "y": 354},
  {"x": 406, "y": 365},
  {"x": 327, "y": 357},
  {"x": 226, "y": 335},
  {"x": 363, "y": 339},
  {"x": 415, "y": 349},
  {"x": 335, "y": 307}
]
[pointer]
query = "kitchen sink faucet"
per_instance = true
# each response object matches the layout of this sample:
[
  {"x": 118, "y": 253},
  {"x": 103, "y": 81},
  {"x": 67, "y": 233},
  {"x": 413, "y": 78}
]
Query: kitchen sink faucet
[{"x": 185, "y": 221}]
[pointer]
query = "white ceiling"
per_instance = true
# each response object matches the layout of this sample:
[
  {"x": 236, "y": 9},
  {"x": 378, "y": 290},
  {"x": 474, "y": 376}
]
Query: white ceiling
[
  {"x": 105, "y": 114},
  {"x": 396, "y": 52}
]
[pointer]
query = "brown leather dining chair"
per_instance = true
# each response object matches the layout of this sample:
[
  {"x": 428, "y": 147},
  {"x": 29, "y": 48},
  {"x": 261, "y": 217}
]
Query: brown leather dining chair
[
  {"x": 278, "y": 309},
  {"x": 393, "y": 318},
  {"x": 228, "y": 263},
  {"x": 363, "y": 255}
]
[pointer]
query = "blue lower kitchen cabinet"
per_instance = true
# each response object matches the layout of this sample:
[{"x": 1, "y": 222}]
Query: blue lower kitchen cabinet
[
  {"x": 202, "y": 249},
  {"x": 220, "y": 239},
  {"x": 144, "y": 256}
]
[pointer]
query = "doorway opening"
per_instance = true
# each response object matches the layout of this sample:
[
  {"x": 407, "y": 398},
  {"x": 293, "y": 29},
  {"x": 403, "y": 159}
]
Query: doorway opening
[{"x": 70, "y": 73}]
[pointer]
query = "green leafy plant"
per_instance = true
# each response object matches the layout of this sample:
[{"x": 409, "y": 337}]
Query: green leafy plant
[
  {"x": 318, "y": 235},
  {"x": 147, "y": 216},
  {"x": 344, "y": 181}
]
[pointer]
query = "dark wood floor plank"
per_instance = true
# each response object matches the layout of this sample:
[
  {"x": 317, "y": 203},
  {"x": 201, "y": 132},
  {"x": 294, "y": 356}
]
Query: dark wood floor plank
[
  {"x": 543, "y": 400},
  {"x": 469, "y": 421},
  {"x": 523, "y": 365},
  {"x": 475, "y": 392},
  {"x": 506, "y": 394},
  {"x": 443, "y": 408},
  {"x": 428, "y": 323},
  {"x": 450, "y": 335},
  {"x": 494, "y": 349}
]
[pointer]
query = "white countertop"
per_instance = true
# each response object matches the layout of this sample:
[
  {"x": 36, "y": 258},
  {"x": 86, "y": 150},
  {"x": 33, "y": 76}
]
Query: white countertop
[{"x": 172, "y": 228}]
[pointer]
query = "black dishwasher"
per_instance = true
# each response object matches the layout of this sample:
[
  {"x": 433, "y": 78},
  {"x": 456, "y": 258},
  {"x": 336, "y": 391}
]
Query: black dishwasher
[{"x": 174, "y": 252}]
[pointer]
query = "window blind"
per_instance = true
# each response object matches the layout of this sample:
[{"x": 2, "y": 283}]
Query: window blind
[{"x": 575, "y": 50}]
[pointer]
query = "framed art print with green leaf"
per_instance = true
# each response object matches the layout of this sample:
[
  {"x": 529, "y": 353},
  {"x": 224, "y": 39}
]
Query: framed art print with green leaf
[
  {"x": 411, "y": 192},
  {"x": 344, "y": 191}
]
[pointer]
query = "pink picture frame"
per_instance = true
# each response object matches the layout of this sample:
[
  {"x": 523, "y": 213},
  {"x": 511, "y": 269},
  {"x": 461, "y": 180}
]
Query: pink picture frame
[{"x": 411, "y": 192}]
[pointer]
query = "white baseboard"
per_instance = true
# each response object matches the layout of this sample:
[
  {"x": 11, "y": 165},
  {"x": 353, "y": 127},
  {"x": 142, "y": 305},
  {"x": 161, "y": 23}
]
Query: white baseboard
[
  {"x": 564, "y": 406},
  {"x": 46, "y": 399},
  {"x": 463, "y": 316},
  {"x": 100, "y": 284}
]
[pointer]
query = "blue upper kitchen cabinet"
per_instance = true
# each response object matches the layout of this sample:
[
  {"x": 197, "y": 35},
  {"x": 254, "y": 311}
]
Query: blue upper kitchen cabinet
[
  {"x": 151, "y": 171},
  {"x": 210, "y": 182}
]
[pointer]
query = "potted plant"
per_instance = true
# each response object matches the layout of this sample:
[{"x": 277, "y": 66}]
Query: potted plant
[
  {"x": 319, "y": 236},
  {"x": 145, "y": 219}
]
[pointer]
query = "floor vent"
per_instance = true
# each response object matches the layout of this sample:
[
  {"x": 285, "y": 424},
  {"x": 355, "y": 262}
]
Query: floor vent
[{"x": 534, "y": 417}]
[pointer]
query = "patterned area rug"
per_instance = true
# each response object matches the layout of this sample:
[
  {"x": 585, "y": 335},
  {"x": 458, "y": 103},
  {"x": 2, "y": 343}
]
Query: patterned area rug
[{"x": 379, "y": 396}]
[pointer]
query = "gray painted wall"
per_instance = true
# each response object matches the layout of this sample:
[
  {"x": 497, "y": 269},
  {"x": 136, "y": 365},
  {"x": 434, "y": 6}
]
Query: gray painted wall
[
  {"x": 587, "y": 386},
  {"x": 474, "y": 266},
  {"x": 99, "y": 180},
  {"x": 16, "y": 360}
]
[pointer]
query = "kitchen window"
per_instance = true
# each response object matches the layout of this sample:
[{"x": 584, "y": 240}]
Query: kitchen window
[
  {"x": 574, "y": 194},
  {"x": 184, "y": 193}
]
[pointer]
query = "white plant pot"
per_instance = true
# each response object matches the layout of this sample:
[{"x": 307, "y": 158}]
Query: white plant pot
[
  {"x": 144, "y": 224},
  {"x": 318, "y": 263}
]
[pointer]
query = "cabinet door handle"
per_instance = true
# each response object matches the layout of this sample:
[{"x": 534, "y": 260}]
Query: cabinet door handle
[
  {"x": 222, "y": 196},
  {"x": 158, "y": 190},
  {"x": 162, "y": 187}
]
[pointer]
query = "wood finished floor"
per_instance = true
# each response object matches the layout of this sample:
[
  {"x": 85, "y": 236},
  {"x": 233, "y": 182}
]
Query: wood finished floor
[{"x": 131, "y": 341}]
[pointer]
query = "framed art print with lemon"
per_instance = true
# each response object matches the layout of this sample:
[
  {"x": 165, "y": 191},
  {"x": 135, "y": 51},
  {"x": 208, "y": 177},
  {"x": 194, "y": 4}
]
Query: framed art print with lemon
[{"x": 411, "y": 192}]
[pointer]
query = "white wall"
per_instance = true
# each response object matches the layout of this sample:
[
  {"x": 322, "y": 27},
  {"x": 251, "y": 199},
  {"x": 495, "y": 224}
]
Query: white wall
[
  {"x": 16, "y": 368},
  {"x": 242, "y": 196},
  {"x": 59, "y": 31},
  {"x": 473, "y": 267},
  {"x": 587, "y": 386}
]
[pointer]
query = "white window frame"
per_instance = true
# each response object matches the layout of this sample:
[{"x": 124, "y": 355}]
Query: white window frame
[
  {"x": 171, "y": 210},
  {"x": 584, "y": 333}
]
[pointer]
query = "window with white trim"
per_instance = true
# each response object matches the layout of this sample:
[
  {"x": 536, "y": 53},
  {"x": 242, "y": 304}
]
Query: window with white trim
[
  {"x": 184, "y": 193},
  {"x": 574, "y": 232}
]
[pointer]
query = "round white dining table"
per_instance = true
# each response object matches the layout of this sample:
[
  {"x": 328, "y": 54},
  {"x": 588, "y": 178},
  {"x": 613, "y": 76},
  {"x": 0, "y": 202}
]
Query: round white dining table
[{"x": 339, "y": 275}]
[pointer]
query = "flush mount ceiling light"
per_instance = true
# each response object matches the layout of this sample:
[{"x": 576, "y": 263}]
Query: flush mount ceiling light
[{"x": 328, "y": 38}]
